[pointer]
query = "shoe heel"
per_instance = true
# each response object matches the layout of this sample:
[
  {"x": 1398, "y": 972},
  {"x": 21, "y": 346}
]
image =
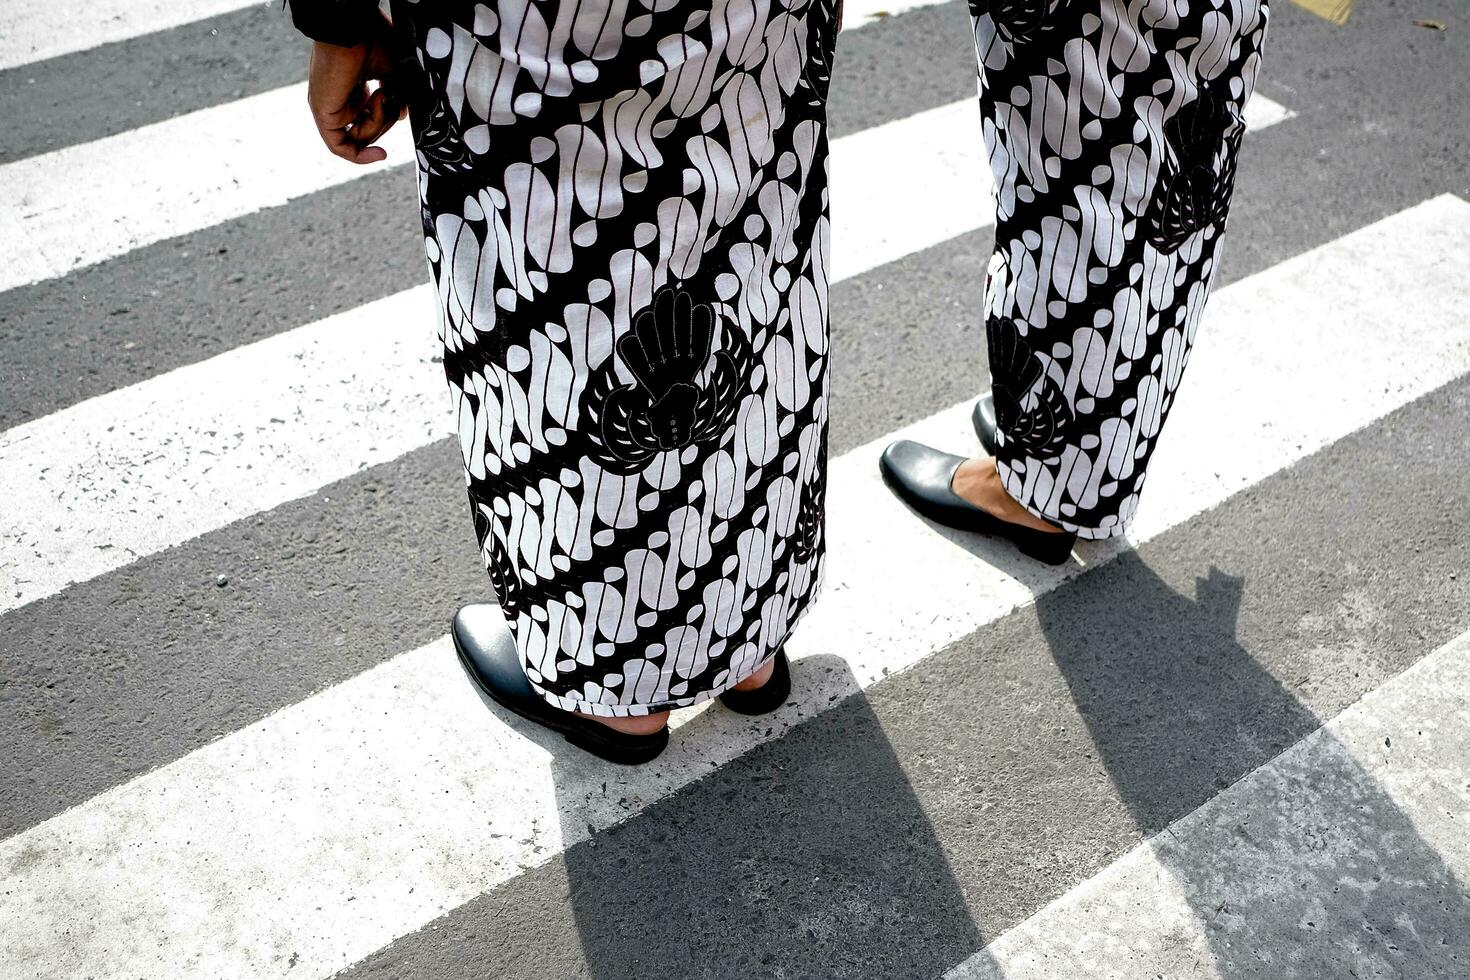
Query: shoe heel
[
  {"x": 766, "y": 698},
  {"x": 623, "y": 755},
  {"x": 1049, "y": 549}
]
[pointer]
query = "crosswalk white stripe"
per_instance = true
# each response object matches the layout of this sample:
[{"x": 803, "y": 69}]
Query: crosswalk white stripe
[
  {"x": 35, "y": 31},
  {"x": 328, "y": 829},
  {"x": 890, "y": 201},
  {"x": 65, "y": 210},
  {"x": 77, "y": 206},
  {"x": 32, "y": 32},
  {"x": 94, "y": 201},
  {"x": 127, "y": 474},
  {"x": 137, "y": 470},
  {"x": 134, "y": 471},
  {"x": 1313, "y": 821}
]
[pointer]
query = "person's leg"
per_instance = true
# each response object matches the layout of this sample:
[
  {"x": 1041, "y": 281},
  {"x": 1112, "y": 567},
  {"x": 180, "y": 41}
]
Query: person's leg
[
  {"x": 1112, "y": 128},
  {"x": 635, "y": 724},
  {"x": 628, "y": 231},
  {"x": 758, "y": 680},
  {"x": 978, "y": 481}
]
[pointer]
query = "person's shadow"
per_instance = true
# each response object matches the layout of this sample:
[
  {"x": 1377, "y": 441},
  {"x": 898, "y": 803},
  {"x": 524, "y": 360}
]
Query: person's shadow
[
  {"x": 786, "y": 846},
  {"x": 807, "y": 856},
  {"x": 1179, "y": 711}
]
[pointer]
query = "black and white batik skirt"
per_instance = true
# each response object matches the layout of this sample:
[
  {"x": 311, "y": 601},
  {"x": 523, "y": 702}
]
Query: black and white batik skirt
[{"x": 625, "y": 214}]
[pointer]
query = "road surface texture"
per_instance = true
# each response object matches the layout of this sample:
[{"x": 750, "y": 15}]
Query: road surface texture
[{"x": 235, "y": 740}]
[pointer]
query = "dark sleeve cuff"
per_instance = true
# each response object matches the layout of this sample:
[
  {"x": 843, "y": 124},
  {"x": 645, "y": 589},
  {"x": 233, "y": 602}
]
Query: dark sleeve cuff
[{"x": 342, "y": 22}]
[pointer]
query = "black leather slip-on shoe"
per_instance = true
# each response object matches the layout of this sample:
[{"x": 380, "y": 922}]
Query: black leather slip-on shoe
[
  {"x": 923, "y": 478},
  {"x": 983, "y": 418},
  {"x": 489, "y": 656},
  {"x": 766, "y": 698}
]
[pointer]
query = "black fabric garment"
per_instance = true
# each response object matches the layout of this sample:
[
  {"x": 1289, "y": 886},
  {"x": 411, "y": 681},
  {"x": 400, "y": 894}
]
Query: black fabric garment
[{"x": 341, "y": 22}]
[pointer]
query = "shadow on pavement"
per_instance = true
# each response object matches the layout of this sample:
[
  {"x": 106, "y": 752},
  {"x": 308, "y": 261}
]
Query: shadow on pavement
[
  {"x": 1178, "y": 711},
  {"x": 809, "y": 856}
]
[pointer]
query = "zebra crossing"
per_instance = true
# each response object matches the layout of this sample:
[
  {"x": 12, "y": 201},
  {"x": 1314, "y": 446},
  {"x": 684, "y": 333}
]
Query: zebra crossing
[
  {"x": 178, "y": 467},
  {"x": 1308, "y": 799},
  {"x": 32, "y": 34},
  {"x": 339, "y": 832}
]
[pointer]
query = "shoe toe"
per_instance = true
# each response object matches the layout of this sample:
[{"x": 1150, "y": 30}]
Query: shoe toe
[
  {"x": 918, "y": 472},
  {"x": 484, "y": 641},
  {"x": 923, "y": 478},
  {"x": 899, "y": 456},
  {"x": 488, "y": 652}
]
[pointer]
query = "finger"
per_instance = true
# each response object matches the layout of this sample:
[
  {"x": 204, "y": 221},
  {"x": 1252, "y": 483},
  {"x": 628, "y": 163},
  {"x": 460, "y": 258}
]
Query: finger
[
  {"x": 368, "y": 154},
  {"x": 336, "y": 140},
  {"x": 334, "y": 88},
  {"x": 342, "y": 144},
  {"x": 374, "y": 120},
  {"x": 338, "y": 117},
  {"x": 397, "y": 104},
  {"x": 332, "y": 123}
]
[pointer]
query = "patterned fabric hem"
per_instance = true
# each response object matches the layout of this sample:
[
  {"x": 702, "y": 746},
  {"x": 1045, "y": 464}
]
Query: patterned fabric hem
[
  {"x": 638, "y": 710},
  {"x": 1015, "y": 486}
]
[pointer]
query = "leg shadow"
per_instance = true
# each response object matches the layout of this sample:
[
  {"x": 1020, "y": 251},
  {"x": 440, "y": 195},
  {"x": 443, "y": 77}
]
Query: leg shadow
[
  {"x": 1179, "y": 710},
  {"x": 808, "y": 856}
]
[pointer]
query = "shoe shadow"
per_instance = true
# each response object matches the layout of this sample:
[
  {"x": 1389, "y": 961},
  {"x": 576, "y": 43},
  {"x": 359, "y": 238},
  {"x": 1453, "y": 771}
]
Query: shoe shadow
[{"x": 1179, "y": 710}]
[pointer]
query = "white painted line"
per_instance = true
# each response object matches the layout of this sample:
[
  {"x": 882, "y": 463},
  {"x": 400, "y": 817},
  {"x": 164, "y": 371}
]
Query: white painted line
[
  {"x": 890, "y": 199},
  {"x": 35, "y": 31},
  {"x": 1351, "y": 827},
  {"x": 1261, "y": 112},
  {"x": 331, "y": 827},
  {"x": 140, "y": 469},
  {"x": 94, "y": 201},
  {"x": 199, "y": 447},
  {"x": 934, "y": 191}
]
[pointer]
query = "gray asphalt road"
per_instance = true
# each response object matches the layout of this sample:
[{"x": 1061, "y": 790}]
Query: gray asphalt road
[{"x": 970, "y": 790}]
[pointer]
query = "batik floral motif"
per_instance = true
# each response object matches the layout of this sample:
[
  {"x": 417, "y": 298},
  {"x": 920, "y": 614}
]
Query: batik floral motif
[
  {"x": 681, "y": 393},
  {"x": 807, "y": 539},
  {"x": 503, "y": 579},
  {"x": 1193, "y": 191},
  {"x": 625, "y": 218},
  {"x": 1030, "y": 411}
]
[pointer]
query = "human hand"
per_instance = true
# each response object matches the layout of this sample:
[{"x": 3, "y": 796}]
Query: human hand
[{"x": 352, "y": 95}]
